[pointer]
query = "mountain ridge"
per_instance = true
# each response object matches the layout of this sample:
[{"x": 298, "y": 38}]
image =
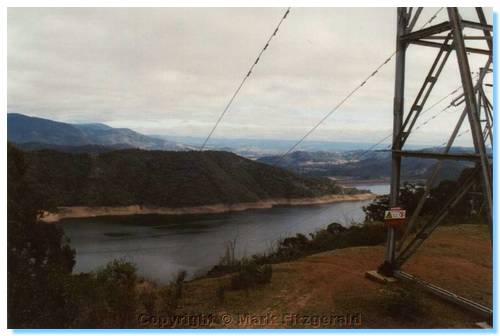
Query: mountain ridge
[
  {"x": 371, "y": 166},
  {"x": 165, "y": 178},
  {"x": 27, "y": 129}
]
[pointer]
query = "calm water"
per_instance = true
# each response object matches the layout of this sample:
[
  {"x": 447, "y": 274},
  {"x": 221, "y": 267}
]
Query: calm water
[
  {"x": 379, "y": 189},
  {"x": 160, "y": 246}
]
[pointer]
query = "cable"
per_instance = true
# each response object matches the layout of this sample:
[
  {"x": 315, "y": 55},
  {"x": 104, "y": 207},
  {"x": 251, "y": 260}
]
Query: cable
[
  {"x": 458, "y": 136},
  {"x": 432, "y": 18},
  {"x": 334, "y": 109},
  {"x": 346, "y": 98},
  {"x": 228, "y": 105},
  {"x": 422, "y": 113}
]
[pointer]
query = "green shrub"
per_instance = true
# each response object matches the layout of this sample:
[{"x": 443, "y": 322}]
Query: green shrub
[
  {"x": 116, "y": 284},
  {"x": 403, "y": 303},
  {"x": 292, "y": 248},
  {"x": 361, "y": 235},
  {"x": 251, "y": 274},
  {"x": 335, "y": 228},
  {"x": 106, "y": 298}
]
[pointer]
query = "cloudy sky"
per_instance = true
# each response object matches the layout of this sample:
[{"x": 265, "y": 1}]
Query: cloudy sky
[{"x": 171, "y": 71}]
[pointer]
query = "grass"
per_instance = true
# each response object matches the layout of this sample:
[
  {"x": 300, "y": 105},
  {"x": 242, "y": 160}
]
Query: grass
[{"x": 333, "y": 282}]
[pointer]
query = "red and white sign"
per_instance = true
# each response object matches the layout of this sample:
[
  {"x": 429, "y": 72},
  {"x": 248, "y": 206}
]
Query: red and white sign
[{"x": 395, "y": 217}]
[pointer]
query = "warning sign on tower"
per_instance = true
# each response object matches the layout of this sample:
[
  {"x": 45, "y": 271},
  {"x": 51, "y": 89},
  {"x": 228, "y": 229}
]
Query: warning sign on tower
[{"x": 395, "y": 217}]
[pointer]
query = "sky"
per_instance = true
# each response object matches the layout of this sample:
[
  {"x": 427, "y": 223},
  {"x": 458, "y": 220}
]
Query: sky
[{"x": 171, "y": 71}]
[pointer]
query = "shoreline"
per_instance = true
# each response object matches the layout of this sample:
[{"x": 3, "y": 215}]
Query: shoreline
[{"x": 99, "y": 211}]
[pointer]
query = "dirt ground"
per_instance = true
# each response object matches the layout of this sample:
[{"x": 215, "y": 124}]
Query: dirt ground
[{"x": 329, "y": 290}]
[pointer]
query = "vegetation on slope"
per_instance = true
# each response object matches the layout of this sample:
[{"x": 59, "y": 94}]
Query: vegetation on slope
[
  {"x": 160, "y": 178},
  {"x": 371, "y": 165},
  {"x": 470, "y": 209}
]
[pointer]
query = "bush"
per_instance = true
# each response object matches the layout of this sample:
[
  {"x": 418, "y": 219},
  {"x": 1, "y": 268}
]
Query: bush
[
  {"x": 106, "y": 298},
  {"x": 361, "y": 235},
  {"x": 170, "y": 294},
  {"x": 251, "y": 274},
  {"x": 292, "y": 248},
  {"x": 335, "y": 228},
  {"x": 117, "y": 283},
  {"x": 403, "y": 303},
  {"x": 228, "y": 262}
]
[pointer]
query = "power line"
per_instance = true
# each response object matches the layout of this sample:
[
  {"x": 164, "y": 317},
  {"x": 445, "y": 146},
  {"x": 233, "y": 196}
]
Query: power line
[
  {"x": 418, "y": 126},
  {"x": 432, "y": 18},
  {"x": 228, "y": 105},
  {"x": 458, "y": 136},
  {"x": 347, "y": 97},
  {"x": 334, "y": 109}
]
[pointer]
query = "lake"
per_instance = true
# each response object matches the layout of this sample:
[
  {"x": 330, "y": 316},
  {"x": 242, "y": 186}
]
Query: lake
[{"x": 160, "y": 246}]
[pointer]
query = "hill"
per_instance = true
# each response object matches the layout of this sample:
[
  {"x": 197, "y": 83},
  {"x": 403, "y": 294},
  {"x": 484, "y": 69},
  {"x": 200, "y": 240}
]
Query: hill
[
  {"x": 372, "y": 165},
  {"x": 255, "y": 148},
  {"x": 333, "y": 282},
  {"x": 162, "y": 178},
  {"x": 45, "y": 132},
  {"x": 90, "y": 149}
]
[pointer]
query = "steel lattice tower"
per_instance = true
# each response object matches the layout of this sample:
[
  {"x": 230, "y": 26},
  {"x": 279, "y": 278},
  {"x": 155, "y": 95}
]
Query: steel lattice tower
[{"x": 447, "y": 37}]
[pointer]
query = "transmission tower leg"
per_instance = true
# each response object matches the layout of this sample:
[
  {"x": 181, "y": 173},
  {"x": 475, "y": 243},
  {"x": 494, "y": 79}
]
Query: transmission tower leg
[
  {"x": 387, "y": 267},
  {"x": 471, "y": 104}
]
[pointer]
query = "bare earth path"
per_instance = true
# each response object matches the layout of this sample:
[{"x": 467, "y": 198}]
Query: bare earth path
[{"x": 332, "y": 283}]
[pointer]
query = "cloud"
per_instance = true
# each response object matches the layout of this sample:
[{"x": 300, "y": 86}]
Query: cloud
[{"x": 172, "y": 70}]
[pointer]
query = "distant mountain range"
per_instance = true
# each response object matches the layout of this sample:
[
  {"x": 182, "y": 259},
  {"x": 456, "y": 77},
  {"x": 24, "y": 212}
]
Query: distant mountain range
[
  {"x": 43, "y": 133},
  {"x": 361, "y": 165},
  {"x": 31, "y": 133},
  {"x": 36, "y": 133},
  {"x": 255, "y": 148}
]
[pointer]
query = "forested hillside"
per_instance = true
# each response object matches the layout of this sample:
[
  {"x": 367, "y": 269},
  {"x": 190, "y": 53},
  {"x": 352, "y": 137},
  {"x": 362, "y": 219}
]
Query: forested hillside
[{"x": 162, "y": 178}]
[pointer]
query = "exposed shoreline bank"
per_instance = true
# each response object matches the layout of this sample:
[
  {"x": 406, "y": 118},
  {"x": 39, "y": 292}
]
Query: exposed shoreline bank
[{"x": 87, "y": 212}]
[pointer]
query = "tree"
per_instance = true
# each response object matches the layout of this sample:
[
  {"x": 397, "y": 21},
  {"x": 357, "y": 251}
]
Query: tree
[
  {"x": 409, "y": 195},
  {"x": 39, "y": 259}
]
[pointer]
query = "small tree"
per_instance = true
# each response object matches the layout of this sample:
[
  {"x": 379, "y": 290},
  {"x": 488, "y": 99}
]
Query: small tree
[{"x": 117, "y": 282}]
